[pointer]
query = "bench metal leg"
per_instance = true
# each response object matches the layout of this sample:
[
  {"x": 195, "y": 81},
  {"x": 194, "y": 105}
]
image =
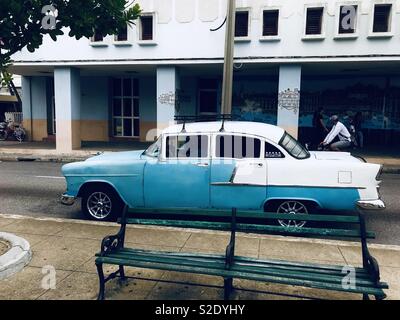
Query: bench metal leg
[
  {"x": 365, "y": 297},
  {"x": 102, "y": 281},
  {"x": 122, "y": 273},
  {"x": 228, "y": 287}
]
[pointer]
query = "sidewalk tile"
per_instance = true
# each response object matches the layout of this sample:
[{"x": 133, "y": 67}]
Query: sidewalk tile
[
  {"x": 33, "y": 239},
  {"x": 276, "y": 291},
  {"x": 157, "y": 237},
  {"x": 172, "y": 291},
  {"x": 85, "y": 231},
  {"x": 85, "y": 286},
  {"x": 217, "y": 243},
  {"x": 90, "y": 267},
  {"x": 5, "y": 222},
  {"x": 385, "y": 257},
  {"x": 26, "y": 285},
  {"x": 32, "y": 226},
  {"x": 391, "y": 276},
  {"x": 64, "y": 253},
  {"x": 300, "y": 251}
]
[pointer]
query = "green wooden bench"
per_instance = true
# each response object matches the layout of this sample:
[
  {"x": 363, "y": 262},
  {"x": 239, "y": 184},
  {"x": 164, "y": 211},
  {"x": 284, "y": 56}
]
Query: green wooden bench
[{"x": 230, "y": 266}]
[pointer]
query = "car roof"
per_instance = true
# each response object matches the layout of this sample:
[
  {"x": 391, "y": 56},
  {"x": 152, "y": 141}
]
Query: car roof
[{"x": 270, "y": 132}]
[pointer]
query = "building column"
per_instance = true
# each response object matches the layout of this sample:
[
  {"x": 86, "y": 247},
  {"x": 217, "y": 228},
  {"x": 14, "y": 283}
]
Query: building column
[
  {"x": 34, "y": 107},
  {"x": 68, "y": 101},
  {"x": 27, "y": 106},
  {"x": 289, "y": 98},
  {"x": 168, "y": 85}
]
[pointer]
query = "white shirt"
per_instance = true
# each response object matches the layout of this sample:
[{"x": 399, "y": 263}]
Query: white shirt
[{"x": 339, "y": 129}]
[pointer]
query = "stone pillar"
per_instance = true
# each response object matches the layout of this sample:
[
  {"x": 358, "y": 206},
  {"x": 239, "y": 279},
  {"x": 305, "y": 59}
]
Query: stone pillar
[
  {"x": 67, "y": 100},
  {"x": 168, "y": 86},
  {"x": 289, "y": 98}
]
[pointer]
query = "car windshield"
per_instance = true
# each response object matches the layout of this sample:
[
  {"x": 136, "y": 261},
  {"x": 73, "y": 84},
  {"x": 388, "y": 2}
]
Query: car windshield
[
  {"x": 154, "y": 150},
  {"x": 295, "y": 148}
]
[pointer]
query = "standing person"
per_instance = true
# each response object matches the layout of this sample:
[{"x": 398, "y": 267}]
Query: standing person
[
  {"x": 319, "y": 127},
  {"x": 357, "y": 123},
  {"x": 338, "y": 130}
]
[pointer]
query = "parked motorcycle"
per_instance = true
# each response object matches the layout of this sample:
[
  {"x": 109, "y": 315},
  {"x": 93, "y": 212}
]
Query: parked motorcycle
[{"x": 10, "y": 128}]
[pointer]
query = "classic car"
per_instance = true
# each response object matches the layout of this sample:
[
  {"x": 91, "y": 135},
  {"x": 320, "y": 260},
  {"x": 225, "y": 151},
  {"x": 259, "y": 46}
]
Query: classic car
[{"x": 213, "y": 165}]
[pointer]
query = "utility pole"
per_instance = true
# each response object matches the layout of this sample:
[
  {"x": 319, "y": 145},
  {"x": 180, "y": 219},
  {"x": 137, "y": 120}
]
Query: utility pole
[{"x": 228, "y": 59}]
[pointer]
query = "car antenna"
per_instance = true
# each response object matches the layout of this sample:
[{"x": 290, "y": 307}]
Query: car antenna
[{"x": 223, "y": 118}]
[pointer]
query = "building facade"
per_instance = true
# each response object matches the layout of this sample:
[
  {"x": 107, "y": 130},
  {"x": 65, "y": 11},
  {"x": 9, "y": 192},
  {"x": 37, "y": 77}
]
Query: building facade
[{"x": 291, "y": 58}]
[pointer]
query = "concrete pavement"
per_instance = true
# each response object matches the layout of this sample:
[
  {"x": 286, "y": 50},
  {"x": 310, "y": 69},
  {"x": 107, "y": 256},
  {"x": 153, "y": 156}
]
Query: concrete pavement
[{"x": 68, "y": 247}]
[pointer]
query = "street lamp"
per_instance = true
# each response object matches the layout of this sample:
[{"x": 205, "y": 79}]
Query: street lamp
[{"x": 226, "y": 107}]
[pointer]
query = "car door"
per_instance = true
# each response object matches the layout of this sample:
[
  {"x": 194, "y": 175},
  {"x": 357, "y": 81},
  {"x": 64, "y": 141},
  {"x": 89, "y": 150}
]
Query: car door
[
  {"x": 180, "y": 178},
  {"x": 238, "y": 172}
]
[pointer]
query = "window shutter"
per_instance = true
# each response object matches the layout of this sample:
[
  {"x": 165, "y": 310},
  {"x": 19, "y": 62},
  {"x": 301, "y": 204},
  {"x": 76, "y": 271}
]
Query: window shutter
[
  {"x": 270, "y": 25},
  {"x": 314, "y": 20},
  {"x": 147, "y": 27},
  {"x": 242, "y": 24},
  {"x": 381, "y": 18}
]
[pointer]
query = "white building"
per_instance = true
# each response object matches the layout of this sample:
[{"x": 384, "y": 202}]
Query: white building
[{"x": 292, "y": 57}]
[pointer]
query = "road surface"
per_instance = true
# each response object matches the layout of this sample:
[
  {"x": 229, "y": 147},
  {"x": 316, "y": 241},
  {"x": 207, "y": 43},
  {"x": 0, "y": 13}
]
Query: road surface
[{"x": 34, "y": 188}]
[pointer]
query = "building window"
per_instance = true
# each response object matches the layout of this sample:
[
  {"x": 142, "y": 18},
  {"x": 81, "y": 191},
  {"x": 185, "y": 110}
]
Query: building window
[
  {"x": 208, "y": 96},
  {"x": 242, "y": 24},
  {"x": 146, "y": 29},
  {"x": 125, "y": 111},
  {"x": 122, "y": 35},
  {"x": 382, "y": 14},
  {"x": 348, "y": 19},
  {"x": 314, "y": 21},
  {"x": 97, "y": 37},
  {"x": 270, "y": 23}
]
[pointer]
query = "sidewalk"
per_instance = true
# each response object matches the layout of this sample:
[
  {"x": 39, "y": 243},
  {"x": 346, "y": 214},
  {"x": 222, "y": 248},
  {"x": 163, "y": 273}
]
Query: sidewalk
[{"x": 69, "y": 246}]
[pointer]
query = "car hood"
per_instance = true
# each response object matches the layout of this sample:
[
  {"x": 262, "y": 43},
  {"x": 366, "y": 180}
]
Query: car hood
[
  {"x": 324, "y": 155},
  {"x": 117, "y": 156}
]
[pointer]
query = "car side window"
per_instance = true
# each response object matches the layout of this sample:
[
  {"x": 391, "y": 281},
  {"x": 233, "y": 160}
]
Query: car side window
[
  {"x": 185, "y": 146},
  {"x": 237, "y": 147},
  {"x": 272, "y": 152}
]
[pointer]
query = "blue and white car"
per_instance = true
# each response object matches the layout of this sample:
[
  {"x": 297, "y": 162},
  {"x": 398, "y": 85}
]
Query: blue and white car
[{"x": 246, "y": 165}]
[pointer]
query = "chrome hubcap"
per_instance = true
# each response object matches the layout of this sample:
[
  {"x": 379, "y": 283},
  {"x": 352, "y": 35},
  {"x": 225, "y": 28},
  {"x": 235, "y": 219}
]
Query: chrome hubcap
[
  {"x": 99, "y": 205},
  {"x": 292, "y": 207}
]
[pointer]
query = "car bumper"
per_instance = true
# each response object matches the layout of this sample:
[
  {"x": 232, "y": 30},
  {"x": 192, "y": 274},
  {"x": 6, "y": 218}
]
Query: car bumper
[
  {"x": 371, "y": 204},
  {"x": 67, "y": 200}
]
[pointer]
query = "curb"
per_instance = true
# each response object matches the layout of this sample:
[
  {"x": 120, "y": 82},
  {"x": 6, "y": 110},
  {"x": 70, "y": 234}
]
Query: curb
[{"x": 16, "y": 258}]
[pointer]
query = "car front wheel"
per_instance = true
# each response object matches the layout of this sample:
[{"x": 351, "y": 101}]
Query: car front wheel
[{"x": 101, "y": 204}]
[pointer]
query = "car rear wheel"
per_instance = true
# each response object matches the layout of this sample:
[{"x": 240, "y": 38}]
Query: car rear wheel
[
  {"x": 101, "y": 204},
  {"x": 292, "y": 207}
]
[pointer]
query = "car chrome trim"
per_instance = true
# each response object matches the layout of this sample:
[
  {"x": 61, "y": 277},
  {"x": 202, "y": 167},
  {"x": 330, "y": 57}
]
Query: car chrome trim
[
  {"x": 67, "y": 200},
  {"x": 371, "y": 204}
]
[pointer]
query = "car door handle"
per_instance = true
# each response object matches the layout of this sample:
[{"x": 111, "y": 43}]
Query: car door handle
[
  {"x": 260, "y": 165},
  {"x": 203, "y": 165}
]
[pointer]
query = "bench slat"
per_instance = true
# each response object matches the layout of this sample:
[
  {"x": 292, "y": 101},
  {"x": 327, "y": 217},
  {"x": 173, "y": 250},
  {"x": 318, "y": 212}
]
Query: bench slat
[
  {"x": 281, "y": 264},
  {"x": 243, "y": 275},
  {"x": 242, "y": 227},
  {"x": 247, "y": 214},
  {"x": 219, "y": 263}
]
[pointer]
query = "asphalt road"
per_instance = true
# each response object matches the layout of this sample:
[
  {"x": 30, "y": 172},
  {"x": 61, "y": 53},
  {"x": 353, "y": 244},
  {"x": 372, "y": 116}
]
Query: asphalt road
[{"x": 33, "y": 189}]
